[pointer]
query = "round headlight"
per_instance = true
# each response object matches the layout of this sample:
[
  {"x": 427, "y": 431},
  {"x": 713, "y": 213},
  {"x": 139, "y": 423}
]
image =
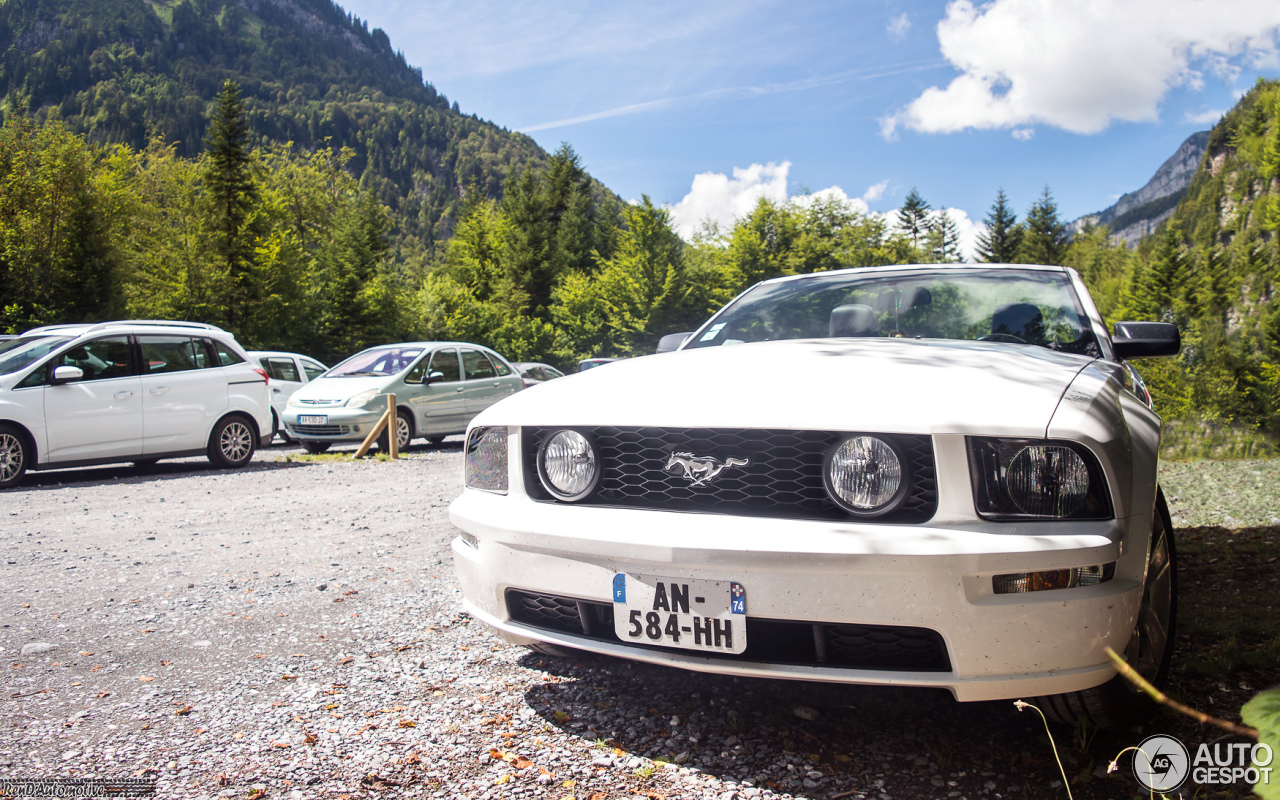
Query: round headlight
[
  {"x": 568, "y": 465},
  {"x": 1047, "y": 481},
  {"x": 866, "y": 476}
]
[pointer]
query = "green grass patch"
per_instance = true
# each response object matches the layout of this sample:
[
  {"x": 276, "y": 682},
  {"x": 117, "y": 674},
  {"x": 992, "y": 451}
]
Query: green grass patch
[{"x": 1198, "y": 440}]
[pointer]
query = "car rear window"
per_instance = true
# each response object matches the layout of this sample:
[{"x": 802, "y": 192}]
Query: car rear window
[
  {"x": 162, "y": 354},
  {"x": 282, "y": 369},
  {"x": 476, "y": 365},
  {"x": 226, "y": 356}
]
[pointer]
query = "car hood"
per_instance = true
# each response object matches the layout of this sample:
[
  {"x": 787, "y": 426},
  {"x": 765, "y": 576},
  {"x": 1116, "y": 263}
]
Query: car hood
[
  {"x": 902, "y": 386},
  {"x": 340, "y": 389}
]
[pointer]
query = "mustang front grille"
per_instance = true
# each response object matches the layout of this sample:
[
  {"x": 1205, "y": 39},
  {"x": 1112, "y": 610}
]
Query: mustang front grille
[
  {"x": 782, "y": 476},
  {"x": 876, "y": 647}
]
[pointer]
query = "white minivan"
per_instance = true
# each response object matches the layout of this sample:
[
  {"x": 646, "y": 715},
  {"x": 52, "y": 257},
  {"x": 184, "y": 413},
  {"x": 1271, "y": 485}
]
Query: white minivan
[
  {"x": 289, "y": 372},
  {"x": 137, "y": 390}
]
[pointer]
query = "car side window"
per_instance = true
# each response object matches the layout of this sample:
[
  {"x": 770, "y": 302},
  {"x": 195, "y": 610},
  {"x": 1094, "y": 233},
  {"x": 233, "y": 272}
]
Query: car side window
[
  {"x": 100, "y": 359},
  {"x": 475, "y": 365},
  {"x": 418, "y": 371},
  {"x": 446, "y": 363},
  {"x": 537, "y": 374},
  {"x": 282, "y": 369},
  {"x": 312, "y": 369},
  {"x": 161, "y": 354},
  {"x": 501, "y": 365},
  {"x": 553, "y": 373},
  {"x": 226, "y": 356}
]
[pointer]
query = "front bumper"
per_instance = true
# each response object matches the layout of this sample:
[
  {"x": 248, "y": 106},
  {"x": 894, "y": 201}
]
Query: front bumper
[
  {"x": 935, "y": 577},
  {"x": 341, "y": 423}
]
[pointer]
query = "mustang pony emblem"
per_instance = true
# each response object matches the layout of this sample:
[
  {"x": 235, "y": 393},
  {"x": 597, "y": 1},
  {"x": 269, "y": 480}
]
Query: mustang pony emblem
[{"x": 701, "y": 469}]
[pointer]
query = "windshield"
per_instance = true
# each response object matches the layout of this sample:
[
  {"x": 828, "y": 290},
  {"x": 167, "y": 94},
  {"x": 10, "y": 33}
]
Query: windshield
[
  {"x": 18, "y": 353},
  {"x": 1005, "y": 305},
  {"x": 382, "y": 361}
]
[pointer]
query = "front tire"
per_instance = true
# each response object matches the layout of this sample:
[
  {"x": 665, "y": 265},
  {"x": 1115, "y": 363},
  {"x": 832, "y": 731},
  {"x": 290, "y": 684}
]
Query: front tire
[
  {"x": 15, "y": 456},
  {"x": 1118, "y": 702},
  {"x": 404, "y": 432},
  {"x": 232, "y": 443}
]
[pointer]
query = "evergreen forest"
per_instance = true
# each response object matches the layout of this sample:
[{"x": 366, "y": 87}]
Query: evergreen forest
[{"x": 278, "y": 170}]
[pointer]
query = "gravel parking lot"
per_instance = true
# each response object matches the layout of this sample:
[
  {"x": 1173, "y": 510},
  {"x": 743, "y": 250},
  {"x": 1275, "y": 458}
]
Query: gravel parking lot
[{"x": 293, "y": 630}]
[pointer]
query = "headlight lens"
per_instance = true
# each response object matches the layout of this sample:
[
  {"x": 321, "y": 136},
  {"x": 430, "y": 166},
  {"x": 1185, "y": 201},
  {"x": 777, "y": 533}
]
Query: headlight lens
[
  {"x": 866, "y": 476},
  {"x": 486, "y": 459},
  {"x": 362, "y": 398},
  {"x": 1030, "y": 479},
  {"x": 567, "y": 465},
  {"x": 1047, "y": 481}
]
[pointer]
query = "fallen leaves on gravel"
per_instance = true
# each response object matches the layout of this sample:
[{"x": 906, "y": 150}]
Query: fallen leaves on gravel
[{"x": 373, "y": 781}]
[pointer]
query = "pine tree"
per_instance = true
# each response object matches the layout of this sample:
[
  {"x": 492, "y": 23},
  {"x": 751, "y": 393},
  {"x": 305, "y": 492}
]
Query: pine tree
[
  {"x": 913, "y": 217},
  {"x": 999, "y": 244},
  {"x": 944, "y": 239},
  {"x": 1165, "y": 283},
  {"x": 1045, "y": 240},
  {"x": 233, "y": 194}
]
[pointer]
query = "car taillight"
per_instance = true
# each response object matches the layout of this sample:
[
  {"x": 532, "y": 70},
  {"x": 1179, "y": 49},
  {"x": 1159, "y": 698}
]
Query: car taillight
[{"x": 263, "y": 373}]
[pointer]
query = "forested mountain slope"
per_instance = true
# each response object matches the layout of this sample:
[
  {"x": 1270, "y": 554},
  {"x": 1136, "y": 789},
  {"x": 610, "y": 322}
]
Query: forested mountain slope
[
  {"x": 1138, "y": 214},
  {"x": 308, "y": 73},
  {"x": 1214, "y": 268}
]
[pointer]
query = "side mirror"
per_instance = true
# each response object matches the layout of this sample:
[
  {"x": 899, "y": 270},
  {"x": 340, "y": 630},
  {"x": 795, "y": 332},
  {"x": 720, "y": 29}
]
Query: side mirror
[
  {"x": 672, "y": 341},
  {"x": 63, "y": 375},
  {"x": 1146, "y": 340},
  {"x": 433, "y": 377}
]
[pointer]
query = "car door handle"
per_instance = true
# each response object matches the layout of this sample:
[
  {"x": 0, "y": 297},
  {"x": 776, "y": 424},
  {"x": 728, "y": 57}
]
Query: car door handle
[
  {"x": 123, "y": 395},
  {"x": 460, "y": 389},
  {"x": 277, "y": 391},
  {"x": 497, "y": 383},
  {"x": 160, "y": 390}
]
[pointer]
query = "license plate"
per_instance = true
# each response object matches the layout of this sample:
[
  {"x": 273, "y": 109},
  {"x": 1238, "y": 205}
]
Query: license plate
[
  {"x": 676, "y": 612},
  {"x": 312, "y": 420}
]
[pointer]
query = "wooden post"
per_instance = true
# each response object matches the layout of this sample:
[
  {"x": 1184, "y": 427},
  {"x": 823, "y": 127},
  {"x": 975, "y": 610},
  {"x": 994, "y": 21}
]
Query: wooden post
[
  {"x": 386, "y": 420},
  {"x": 393, "y": 427}
]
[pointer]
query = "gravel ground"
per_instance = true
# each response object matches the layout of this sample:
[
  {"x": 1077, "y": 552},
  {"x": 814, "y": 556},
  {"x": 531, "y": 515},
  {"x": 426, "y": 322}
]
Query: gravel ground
[{"x": 293, "y": 630}]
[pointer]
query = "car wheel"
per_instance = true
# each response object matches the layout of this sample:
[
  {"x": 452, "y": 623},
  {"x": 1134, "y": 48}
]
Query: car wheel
[
  {"x": 315, "y": 448},
  {"x": 404, "y": 431},
  {"x": 232, "y": 442},
  {"x": 1117, "y": 702},
  {"x": 14, "y": 456}
]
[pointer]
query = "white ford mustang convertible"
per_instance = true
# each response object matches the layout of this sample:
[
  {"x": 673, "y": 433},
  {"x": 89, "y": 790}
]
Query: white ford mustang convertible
[{"x": 939, "y": 476}]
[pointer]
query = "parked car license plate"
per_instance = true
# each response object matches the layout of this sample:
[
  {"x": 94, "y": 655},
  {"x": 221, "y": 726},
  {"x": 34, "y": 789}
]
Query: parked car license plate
[
  {"x": 677, "y": 612},
  {"x": 312, "y": 420}
]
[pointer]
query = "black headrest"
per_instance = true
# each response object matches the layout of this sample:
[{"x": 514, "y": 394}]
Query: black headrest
[{"x": 854, "y": 320}]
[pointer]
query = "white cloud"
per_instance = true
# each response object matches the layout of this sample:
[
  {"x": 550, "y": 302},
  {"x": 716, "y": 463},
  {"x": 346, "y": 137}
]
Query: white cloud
[
  {"x": 1081, "y": 64},
  {"x": 898, "y": 27},
  {"x": 875, "y": 191},
  {"x": 1207, "y": 117},
  {"x": 1024, "y": 134},
  {"x": 719, "y": 199}
]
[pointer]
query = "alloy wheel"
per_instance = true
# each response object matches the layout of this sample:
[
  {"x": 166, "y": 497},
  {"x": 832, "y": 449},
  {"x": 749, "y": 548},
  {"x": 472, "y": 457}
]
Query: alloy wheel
[{"x": 236, "y": 441}]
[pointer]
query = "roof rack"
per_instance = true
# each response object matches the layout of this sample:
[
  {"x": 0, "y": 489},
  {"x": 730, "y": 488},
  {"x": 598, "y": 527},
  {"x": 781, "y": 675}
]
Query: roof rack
[{"x": 160, "y": 323}]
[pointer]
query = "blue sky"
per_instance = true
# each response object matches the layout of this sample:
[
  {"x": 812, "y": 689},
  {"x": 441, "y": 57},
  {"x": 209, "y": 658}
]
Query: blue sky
[{"x": 705, "y": 107}]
